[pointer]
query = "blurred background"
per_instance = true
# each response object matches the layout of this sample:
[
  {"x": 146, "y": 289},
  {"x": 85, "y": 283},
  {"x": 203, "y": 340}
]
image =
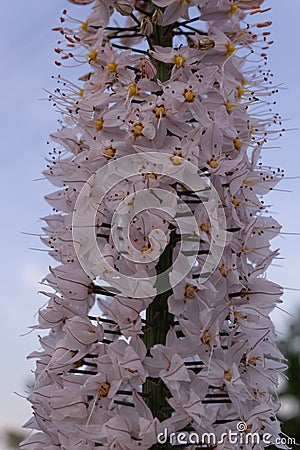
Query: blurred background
[{"x": 27, "y": 118}]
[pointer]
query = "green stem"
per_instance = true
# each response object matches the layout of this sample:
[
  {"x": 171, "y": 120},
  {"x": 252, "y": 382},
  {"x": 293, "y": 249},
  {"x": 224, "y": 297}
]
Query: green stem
[
  {"x": 162, "y": 36},
  {"x": 158, "y": 319}
]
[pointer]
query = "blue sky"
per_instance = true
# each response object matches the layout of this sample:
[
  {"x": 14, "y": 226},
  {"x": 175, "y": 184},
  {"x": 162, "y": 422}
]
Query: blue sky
[{"x": 26, "y": 47}]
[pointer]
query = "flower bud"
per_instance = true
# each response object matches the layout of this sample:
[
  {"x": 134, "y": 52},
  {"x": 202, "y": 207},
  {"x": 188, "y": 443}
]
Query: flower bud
[
  {"x": 157, "y": 16},
  {"x": 205, "y": 44},
  {"x": 123, "y": 7},
  {"x": 147, "y": 69},
  {"x": 146, "y": 27}
]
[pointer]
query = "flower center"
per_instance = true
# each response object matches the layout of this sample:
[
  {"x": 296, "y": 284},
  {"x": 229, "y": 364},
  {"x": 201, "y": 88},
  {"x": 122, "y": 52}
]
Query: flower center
[
  {"x": 190, "y": 291},
  {"x": 189, "y": 95},
  {"x": 137, "y": 130},
  {"x": 109, "y": 152},
  {"x": 98, "y": 124},
  {"x": 230, "y": 48},
  {"x": 132, "y": 90},
  {"x": 254, "y": 360},
  {"x": 227, "y": 375},
  {"x": 84, "y": 26},
  {"x": 224, "y": 270},
  {"x": 233, "y": 9},
  {"x": 152, "y": 175},
  {"x": 103, "y": 389},
  {"x": 160, "y": 111},
  {"x": 92, "y": 55},
  {"x": 205, "y": 227},
  {"x": 146, "y": 249},
  {"x": 237, "y": 143},
  {"x": 229, "y": 106},
  {"x": 240, "y": 91},
  {"x": 179, "y": 61},
  {"x": 177, "y": 159},
  {"x": 206, "y": 337},
  {"x": 235, "y": 201},
  {"x": 213, "y": 163},
  {"x": 238, "y": 315},
  {"x": 112, "y": 67}
]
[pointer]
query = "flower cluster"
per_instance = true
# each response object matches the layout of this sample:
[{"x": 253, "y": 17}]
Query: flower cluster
[{"x": 186, "y": 78}]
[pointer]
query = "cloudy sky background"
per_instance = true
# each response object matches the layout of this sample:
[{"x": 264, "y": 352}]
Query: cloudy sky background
[{"x": 27, "y": 63}]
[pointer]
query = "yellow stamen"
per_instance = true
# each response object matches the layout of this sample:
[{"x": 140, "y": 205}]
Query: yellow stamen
[
  {"x": 213, "y": 163},
  {"x": 206, "y": 337},
  {"x": 190, "y": 291},
  {"x": 160, "y": 111},
  {"x": 189, "y": 96},
  {"x": 137, "y": 130},
  {"x": 240, "y": 91},
  {"x": 176, "y": 160},
  {"x": 152, "y": 175},
  {"x": 205, "y": 227},
  {"x": 92, "y": 55},
  {"x": 132, "y": 90},
  {"x": 249, "y": 427},
  {"x": 112, "y": 67},
  {"x": 146, "y": 249},
  {"x": 238, "y": 315},
  {"x": 80, "y": 92},
  {"x": 227, "y": 376},
  {"x": 179, "y": 61},
  {"x": 98, "y": 124},
  {"x": 254, "y": 360},
  {"x": 103, "y": 389},
  {"x": 224, "y": 270},
  {"x": 233, "y": 9},
  {"x": 237, "y": 143},
  {"x": 109, "y": 152},
  {"x": 229, "y": 106},
  {"x": 235, "y": 201},
  {"x": 230, "y": 48},
  {"x": 84, "y": 26}
]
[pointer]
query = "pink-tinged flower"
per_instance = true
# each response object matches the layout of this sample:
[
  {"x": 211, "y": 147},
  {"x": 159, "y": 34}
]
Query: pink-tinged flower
[
  {"x": 102, "y": 11},
  {"x": 126, "y": 313},
  {"x": 37, "y": 441},
  {"x": 167, "y": 365},
  {"x": 175, "y": 9},
  {"x": 183, "y": 59},
  {"x": 191, "y": 404}
]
